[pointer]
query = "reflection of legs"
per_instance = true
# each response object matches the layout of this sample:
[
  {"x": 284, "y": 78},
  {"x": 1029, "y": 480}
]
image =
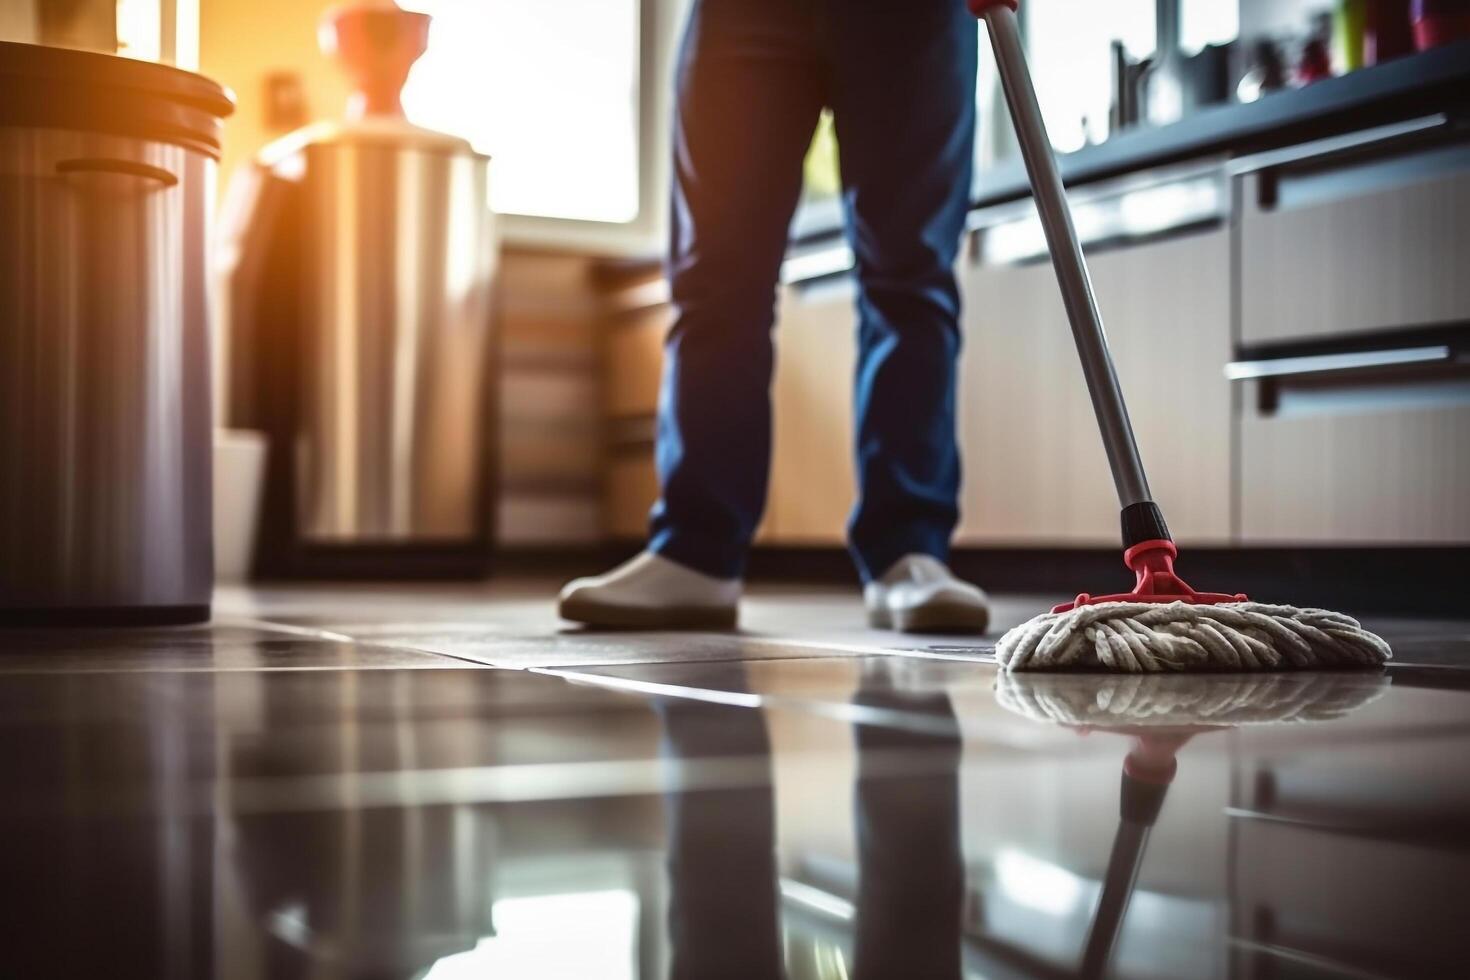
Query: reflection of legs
[
  {"x": 912, "y": 871},
  {"x": 903, "y": 97},
  {"x": 723, "y": 919},
  {"x": 749, "y": 93}
]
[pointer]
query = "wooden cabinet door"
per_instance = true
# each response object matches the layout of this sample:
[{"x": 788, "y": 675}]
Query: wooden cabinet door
[
  {"x": 812, "y": 481},
  {"x": 1035, "y": 472}
]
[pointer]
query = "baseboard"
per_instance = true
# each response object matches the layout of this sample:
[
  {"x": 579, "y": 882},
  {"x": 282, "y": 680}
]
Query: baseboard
[
  {"x": 97, "y": 617},
  {"x": 1367, "y": 580},
  {"x": 1407, "y": 581}
]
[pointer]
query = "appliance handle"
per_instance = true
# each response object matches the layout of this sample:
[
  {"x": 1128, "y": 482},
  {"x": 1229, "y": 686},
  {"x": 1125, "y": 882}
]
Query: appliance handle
[
  {"x": 1280, "y": 367},
  {"x": 109, "y": 165}
]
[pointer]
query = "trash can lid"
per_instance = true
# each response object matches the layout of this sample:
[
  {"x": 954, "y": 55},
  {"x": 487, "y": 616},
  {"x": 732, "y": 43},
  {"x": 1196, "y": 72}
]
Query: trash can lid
[{"x": 61, "y": 88}]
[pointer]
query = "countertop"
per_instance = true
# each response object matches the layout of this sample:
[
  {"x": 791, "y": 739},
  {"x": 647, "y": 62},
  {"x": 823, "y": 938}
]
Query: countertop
[
  {"x": 1397, "y": 90},
  {"x": 1406, "y": 88}
]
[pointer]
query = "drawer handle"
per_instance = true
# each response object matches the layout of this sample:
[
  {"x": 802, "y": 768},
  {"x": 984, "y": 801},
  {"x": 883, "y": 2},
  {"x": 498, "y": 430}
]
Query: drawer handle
[
  {"x": 1325, "y": 150},
  {"x": 1280, "y": 367},
  {"x": 104, "y": 165}
]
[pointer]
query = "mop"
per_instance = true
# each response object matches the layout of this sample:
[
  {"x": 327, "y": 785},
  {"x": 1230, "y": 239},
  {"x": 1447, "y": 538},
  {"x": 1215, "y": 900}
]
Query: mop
[{"x": 1163, "y": 624}]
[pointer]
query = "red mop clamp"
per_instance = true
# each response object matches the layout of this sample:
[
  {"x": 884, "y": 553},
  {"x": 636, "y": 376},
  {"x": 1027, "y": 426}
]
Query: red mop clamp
[
  {"x": 978, "y": 7},
  {"x": 1153, "y": 563}
]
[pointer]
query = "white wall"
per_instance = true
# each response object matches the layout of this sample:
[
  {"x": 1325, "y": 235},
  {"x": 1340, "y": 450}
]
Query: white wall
[{"x": 240, "y": 42}]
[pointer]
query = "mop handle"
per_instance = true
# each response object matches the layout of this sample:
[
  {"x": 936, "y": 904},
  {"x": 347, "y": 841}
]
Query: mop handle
[{"x": 1066, "y": 253}]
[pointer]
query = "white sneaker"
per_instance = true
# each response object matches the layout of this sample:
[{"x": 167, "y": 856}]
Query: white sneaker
[
  {"x": 652, "y": 592},
  {"x": 918, "y": 594}
]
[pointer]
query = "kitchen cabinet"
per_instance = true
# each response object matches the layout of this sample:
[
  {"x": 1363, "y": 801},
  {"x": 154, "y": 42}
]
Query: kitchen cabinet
[
  {"x": 631, "y": 489},
  {"x": 1302, "y": 254},
  {"x": 1357, "y": 461},
  {"x": 1337, "y": 245},
  {"x": 813, "y": 485},
  {"x": 634, "y": 351},
  {"x": 1035, "y": 472},
  {"x": 1354, "y": 261}
]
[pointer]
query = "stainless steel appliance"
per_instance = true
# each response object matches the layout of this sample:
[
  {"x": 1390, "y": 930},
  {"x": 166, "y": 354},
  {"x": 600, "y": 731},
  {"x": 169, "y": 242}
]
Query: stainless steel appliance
[
  {"x": 359, "y": 263},
  {"x": 106, "y": 173}
]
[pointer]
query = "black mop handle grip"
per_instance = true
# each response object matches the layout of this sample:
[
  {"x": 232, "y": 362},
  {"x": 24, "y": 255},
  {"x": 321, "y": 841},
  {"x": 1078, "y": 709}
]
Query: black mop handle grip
[{"x": 1142, "y": 522}]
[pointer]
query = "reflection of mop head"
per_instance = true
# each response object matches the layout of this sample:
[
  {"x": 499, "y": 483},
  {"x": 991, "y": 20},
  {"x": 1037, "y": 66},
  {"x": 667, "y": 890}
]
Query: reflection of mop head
[{"x": 1185, "y": 699}]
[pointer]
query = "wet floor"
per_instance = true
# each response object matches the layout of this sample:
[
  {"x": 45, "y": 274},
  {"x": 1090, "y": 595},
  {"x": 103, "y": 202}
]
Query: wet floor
[{"x": 434, "y": 783}]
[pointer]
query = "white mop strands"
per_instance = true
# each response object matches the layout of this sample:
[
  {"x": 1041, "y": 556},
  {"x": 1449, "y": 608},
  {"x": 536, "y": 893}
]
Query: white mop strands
[{"x": 1142, "y": 637}]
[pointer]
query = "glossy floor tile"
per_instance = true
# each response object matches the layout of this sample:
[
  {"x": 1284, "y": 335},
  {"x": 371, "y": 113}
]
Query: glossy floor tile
[
  {"x": 278, "y": 796},
  {"x": 515, "y": 626}
]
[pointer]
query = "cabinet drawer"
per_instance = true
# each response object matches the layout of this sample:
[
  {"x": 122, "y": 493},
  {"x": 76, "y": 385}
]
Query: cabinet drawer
[
  {"x": 1378, "y": 460},
  {"x": 1345, "y": 245}
]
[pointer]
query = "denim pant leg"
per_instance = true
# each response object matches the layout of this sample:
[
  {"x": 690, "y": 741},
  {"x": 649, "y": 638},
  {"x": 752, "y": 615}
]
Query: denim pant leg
[
  {"x": 749, "y": 90},
  {"x": 903, "y": 94}
]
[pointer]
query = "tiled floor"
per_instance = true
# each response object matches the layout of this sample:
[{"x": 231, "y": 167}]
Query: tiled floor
[{"x": 425, "y": 781}]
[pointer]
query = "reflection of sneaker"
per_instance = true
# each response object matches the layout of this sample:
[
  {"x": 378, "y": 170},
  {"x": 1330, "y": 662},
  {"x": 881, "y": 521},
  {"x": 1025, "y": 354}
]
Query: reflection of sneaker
[
  {"x": 651, "y": 592},
  {"x": 920, "y": 595}
]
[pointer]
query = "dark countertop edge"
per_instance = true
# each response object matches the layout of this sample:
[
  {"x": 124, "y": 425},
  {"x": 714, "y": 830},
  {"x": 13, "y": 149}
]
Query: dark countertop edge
[{"x": 1412, "y": 86}]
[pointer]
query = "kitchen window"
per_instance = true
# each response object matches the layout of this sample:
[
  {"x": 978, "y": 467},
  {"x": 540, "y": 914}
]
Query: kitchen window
[
  {"x": 1068, "y": 43},
  {"x": 555, "y": 92}
]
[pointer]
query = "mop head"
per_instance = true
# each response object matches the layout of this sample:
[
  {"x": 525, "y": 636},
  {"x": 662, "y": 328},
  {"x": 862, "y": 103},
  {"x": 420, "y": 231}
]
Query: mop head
[
  {"x": 1143, "y": 638},
  {"x": 1175, "y": 700}
]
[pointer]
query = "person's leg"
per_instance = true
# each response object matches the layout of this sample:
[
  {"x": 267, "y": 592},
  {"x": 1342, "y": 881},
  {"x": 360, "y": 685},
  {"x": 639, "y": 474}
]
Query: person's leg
[
  {"x": 750, "y": 90},
  {"x": 903, "y": 94}
]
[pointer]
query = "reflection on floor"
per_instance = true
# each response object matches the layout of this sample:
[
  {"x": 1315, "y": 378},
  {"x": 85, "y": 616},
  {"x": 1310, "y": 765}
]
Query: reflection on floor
[{"x": 428, "y": 782}]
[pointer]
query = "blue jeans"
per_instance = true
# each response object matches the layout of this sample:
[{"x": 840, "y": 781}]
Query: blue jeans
[{"x": 753, "y": 77}]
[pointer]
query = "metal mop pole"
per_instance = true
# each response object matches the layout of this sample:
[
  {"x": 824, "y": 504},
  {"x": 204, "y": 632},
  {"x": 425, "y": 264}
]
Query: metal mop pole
[
  {"x": 1061, "y": 238},
  {"x": 1148, "y": 548}
]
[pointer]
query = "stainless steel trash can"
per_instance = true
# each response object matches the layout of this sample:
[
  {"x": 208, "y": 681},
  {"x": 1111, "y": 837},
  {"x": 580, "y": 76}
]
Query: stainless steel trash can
[
  {"x": 106, "y": 170},
  {"x": 398, "y": 259},
  {"x": 358, "y": 263}
]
